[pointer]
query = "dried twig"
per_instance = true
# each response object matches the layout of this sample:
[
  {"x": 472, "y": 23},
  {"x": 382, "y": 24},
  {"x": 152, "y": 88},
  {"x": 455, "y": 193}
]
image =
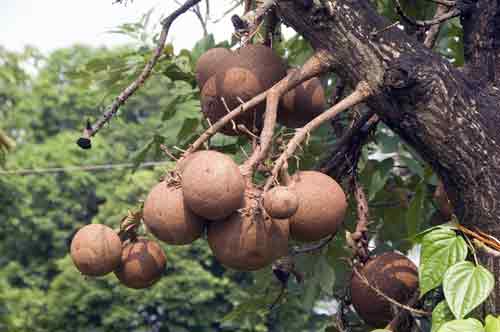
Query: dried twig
[
  {"x": 402, "y": 314},
  {"x": 360, "y": 236},
  {"x": 89, "y": 131},
  {"x": 433, "y": 32},
  {"x": 424, "y": 24},
  {"x": 289, "y": 82},
  {"x": 316, "y": 65},
  {"x": 361, "y": 93},
  {"x": 388, "y": 298}
]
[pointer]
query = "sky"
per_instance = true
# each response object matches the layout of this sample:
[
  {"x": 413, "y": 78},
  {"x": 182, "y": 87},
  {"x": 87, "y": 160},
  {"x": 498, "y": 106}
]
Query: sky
[{"x": 52, "y": 24}]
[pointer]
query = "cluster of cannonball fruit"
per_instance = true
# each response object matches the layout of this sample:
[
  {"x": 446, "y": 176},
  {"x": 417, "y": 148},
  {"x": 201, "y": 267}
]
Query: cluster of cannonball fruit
[
  {"x": 97, "y": 250},
  {"x": 246, "y": 229},
  {"x": 227, "y": 78}
]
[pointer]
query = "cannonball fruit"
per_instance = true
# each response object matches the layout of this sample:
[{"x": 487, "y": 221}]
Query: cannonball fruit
[
  {"x": 208, "y": 62},
  {"x": 212, "y": 185},
  {"x": 248, "y": 71},
  {"x": 280, "y": 202},
  {"x": 394, "y": 275},
  {"x": 248, "y": 241},
  {"x": 322, "y": 206},
  {"x": 142, "y": 264},
  {"x": 167, "y": 218},
  {"x": 96, "y": 250},
  {"x": 302, "y": 104}
]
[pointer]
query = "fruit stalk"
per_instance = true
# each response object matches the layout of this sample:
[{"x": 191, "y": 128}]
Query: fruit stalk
[
  {"x": 316, "y": 65},
  {"x": 360, "y": 94},
  {"x": 286, "y": 84}
]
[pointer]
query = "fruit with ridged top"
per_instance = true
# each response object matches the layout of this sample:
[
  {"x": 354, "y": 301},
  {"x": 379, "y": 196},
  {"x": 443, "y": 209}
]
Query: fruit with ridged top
[
  {"x": 248, "y": 240},
  {"x": 393, "y": 274},
  {"x": 142, "y": 264}
]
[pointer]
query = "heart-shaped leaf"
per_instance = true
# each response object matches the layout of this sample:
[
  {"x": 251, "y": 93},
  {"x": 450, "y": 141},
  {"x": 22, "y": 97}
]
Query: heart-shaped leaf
[
  {"x": 441, "y": 249},
  {"x": 440, "y": 315},
  {"x": 466, "y": 325},
  {"x": 466, "y": 286},
  {"x": 492, "y": 324}
]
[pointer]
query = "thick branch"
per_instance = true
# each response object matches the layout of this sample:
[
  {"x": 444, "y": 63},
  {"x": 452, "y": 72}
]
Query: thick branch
[{"x": 90, "y": 131}]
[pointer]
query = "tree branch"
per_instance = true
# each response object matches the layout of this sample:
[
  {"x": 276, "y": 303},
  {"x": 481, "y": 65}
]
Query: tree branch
[
  {"x": 424, "y": 24},
  {"x": 360, "y": 94},
  {"x": 316, "y": 65},
  {"x": 433, "y": 32},
  {"x": 293, "y": 79},
  {"x": 89, "y": 131}
]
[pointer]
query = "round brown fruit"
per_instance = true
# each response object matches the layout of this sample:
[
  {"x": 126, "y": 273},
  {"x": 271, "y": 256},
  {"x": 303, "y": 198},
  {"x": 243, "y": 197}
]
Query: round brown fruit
[
  {"x": 248, "y": 240},
  {"x": 96, "y": 250},
  {"x": 322, "y": 206},
  {"x": 249, "y": 71},
  {"x": 302, "y": 104},
  {"x": 213, "y": 186},
  {"x": 142, "y": 264},
  {"x": 280, "y": 202},
  {"x": 394, "y": 275},
  {"x": 208, "y": 63},
  {"x": 166, "y": 217}
]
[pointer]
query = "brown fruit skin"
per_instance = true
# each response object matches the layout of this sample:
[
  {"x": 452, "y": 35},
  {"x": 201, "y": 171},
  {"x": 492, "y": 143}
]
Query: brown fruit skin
[
  {"x": 142, "y": 264},
  {"x": 248, "y": 242},
  {"x": 208, "y": 62},
  {"x": 167, "y": 218},
  {"x": 280, "y": 202},
  {"x": 212, "y": 185},
  {"x": 393, "y": 274},
  {"x": 302, "y": 104},
  {"x": 322, "y": 206},
  {"x": 96, "y": 250},
  {"x": 249, "y": 71}
]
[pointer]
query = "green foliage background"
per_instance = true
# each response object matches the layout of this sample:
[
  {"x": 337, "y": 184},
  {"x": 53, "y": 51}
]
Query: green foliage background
[{"x": 45, "y": 101}]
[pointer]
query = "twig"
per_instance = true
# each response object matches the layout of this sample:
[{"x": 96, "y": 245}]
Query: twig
[
  {"x": 486, "y": 240},
  {"x": 402, "y": 314},
  {"x": 361, "y": 93},
  {"x": 315, "y": 247},
  {"x": 449, "y": 3},
  {"x": 485, "y": 249},
  {"x": 316, "y": 65},
  {"x": 424, "y": 24},
  {"x": 254, "y": 17},
  {"x": 388, "y": 298},
  {"x": 360, "y": 236},
  {"x": 90, "y": 131},
  {"x": 433, "y": 32}
]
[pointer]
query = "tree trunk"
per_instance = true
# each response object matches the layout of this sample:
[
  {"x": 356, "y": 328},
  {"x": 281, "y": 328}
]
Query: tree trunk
[{"x": 449, "y": 116}]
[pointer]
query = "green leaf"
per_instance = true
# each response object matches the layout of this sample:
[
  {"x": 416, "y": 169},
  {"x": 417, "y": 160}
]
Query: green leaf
[
  {"x": 440, "y": 315},
  {"x": 466, "y": 286},
  {"x": 188, "y": 128},
  {"x": 466, "y": 325},
  {"x": 325, "y": 275},
  {"x": 380, "y": 177},
  {"x": 441, "y": 249},
  {"x": 492, "y": 324},
  {"x": 415, "y": 213},
  {"x": 245, "y": 308},
  {"x": 202, "y": 46}
]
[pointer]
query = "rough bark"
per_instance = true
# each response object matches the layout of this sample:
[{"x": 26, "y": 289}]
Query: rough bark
[{"x": 449, "y": 116}]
